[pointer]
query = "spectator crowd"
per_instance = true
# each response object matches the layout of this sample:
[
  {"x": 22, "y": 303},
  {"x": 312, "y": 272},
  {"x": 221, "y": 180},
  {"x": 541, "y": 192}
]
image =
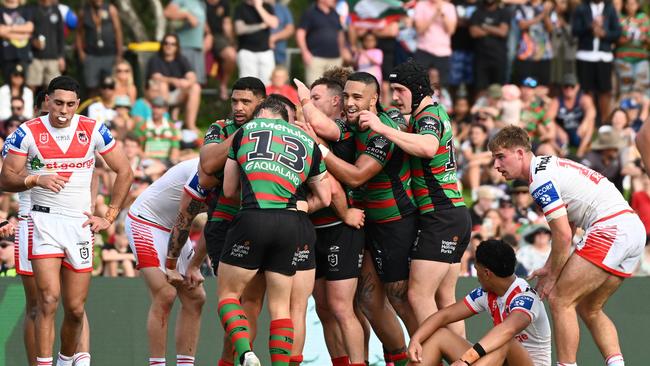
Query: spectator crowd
[{"x": 575, "y": 74}]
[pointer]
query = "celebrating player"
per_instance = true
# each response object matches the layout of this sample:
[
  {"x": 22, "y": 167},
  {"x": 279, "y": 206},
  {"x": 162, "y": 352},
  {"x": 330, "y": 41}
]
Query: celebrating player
[
  {"x": 273, "y": 159},
  {"x": 518, "y": 316},
  {"x": 574, "y": 196},
  {"x": 444, "y": 222},
  {"x": 149, "y": 225},
  {"x": 58, "y": 153}
]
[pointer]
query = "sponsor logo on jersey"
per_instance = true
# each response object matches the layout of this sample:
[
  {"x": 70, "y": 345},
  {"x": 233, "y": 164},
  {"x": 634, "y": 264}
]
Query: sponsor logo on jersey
[
  {"x": 378, "y": 148},
  {"x": 476, "y": 294},
  {"x": 430, "y": 124},
  {"x": 522, "y": 302},
  {"x": 87, "y": 164},
  {"x": 62, "y": 138},
  {"x": 44, "y": 137},
  {"x": 36, "y": 164},
  {"x": 543, "y": 163},
  {"x": 545, "y": 195},
  {"x": 105, "y": 133}
]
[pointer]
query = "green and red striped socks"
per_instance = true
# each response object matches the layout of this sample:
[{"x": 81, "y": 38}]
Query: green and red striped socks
[
  {"x": 235, "y": 324},
  {"x": 281, "y": 341},
  {"x": 399, "y": 359}
]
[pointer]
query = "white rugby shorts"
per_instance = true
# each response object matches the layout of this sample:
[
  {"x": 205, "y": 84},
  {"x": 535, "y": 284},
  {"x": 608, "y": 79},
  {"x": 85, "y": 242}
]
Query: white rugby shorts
[{"x": 22, "y": 247}]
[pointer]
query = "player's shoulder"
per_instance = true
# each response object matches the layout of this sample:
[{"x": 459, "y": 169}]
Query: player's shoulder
[
  {"x": 477, "y": 293},
  {"x": 542, "y": 169},
  {"x": 525, "y": 297}
]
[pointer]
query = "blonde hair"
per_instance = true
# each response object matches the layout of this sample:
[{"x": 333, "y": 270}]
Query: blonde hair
[{"x": 509, "y": 137}]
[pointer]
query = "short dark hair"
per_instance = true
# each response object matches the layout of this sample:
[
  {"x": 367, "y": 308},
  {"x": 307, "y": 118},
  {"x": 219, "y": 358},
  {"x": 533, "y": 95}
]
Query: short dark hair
[
  {"x": 334, "y": 79},
  {"x": 40, "y": 99},
  {"x": 63, "y": 83},
  {"x": 497, "y": 256},
  {"x": 273, "y": 105},
  {"x": 284, "y": 100},
  {"x": 253, "y": 84},
  {"x": 368, "y": 79},
  {"x": 331, "y": 84},
  {"x": 18, "y": 98}
]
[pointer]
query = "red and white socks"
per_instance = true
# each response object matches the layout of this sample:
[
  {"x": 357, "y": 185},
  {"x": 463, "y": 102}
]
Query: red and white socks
[
  {"x": 183, "y": 360},
  {"x": 81, "y": 359},
  {"x": 615, "y": 360}
]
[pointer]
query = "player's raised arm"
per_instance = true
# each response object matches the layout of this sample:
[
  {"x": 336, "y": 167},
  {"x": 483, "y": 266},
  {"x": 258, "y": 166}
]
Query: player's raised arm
[
  {"x": 213, "y": 157},
  {"x": 420, "y": 145}
]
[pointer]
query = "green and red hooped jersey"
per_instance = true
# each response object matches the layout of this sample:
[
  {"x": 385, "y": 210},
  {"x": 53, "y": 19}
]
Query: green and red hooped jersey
[
  {"x": 387, "y": 196},
  {"x": 220, "y": 208},
  {"x": 275, "y": 158},
  {"x": 434, "y": 183}
]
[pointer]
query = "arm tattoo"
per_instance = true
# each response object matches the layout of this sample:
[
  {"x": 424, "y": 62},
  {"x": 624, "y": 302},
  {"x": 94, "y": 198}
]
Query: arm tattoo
[{"x": 181, "y": 230}]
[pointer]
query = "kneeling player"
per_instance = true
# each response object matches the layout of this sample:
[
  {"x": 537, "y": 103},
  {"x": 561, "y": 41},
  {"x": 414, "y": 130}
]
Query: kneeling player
[{"x": 517, "y": 312}]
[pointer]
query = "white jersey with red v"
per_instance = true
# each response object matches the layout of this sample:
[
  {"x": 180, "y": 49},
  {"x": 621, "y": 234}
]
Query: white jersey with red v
[{"x": 69, "y": 152}]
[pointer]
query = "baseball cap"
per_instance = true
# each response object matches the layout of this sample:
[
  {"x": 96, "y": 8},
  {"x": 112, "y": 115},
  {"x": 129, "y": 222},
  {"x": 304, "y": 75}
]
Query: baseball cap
[
  {"x": 529, "y": 82},
  {"x": 107, "y": 83},
  {"x": 18, "y": 69},
  {"x": 569, "y": 80}
]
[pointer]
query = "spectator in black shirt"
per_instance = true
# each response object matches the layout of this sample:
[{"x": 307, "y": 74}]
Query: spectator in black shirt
[
  {"x": 16, "y": 27},
  {"x": 223, "y": 50},
  {"x": 99, "y": 41},
  {"x": 321, "y": 40},
  {"x": 254, "y": 20},
  {"x": 47, "y": 44},
  {"x": 177, "y": 80},
  {"x": 462, "y": 44},
  {"x": 489, "y": 27}
]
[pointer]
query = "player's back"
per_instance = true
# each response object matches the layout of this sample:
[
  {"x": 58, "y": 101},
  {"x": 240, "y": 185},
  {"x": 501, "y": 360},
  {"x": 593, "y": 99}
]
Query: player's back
[
  {"x": 160, "y": 201},
  {"x": 275, "y": 159},
  {"x": 586, "y": 194}
]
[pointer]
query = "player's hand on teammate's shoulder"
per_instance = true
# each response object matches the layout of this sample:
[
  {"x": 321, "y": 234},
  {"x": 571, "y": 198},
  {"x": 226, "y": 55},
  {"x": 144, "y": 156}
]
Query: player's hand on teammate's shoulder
[
  {"x": 193, "y": 277},
  {"x": 415, "y": 351},
  {"x": 354, "y": 217},
  {"x": 53, "y": 182},
  {"x": 370, "y": 120},
  {"x": 174, "y": 277},
  {"x": 309, "y": 130},
  {"x": 96, "y": 223}
]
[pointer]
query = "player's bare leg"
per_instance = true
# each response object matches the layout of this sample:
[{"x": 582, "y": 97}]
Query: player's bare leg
[
  {"x": 303, "y": 286},
  {"x": 74, "y": 291},
  {"x": 590, "y": 310},
  {"x": 424, "y": 281},
  {"x": 331, "y": 330},
  {"x": 446, "y": 296},
  {"x": 365, "y": 325},
  {"x": 374, "y": 304},
  {"x": 188, "y": 323},
  {"x": 82, "y": 353},
  {"x": 29, "y": 333},
  {"x": 340, "y": 298},
  {"x": 397, "y": 293},
  {"x": 48, "y": 286},
  {"x": 162, "y": 300},
  {"x": 446, "y": 344},
  {"x": 281, "y": 332},
  {"x": 578, "y": 279}
]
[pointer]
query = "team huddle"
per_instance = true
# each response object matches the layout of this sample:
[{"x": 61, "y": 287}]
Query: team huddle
[{"x": 354, "y": 203}]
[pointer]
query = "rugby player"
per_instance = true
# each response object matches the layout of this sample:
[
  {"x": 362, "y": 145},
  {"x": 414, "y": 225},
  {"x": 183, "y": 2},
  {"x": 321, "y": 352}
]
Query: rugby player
[
  {"x": 162, "y": 210},
  {"x": 390, "y": 228},
  {"x": 444, "y": 222},
  {"x": 339, "y": 238},
  {"x": 272, "y": 159},
  {"x": 518, "y": 316},
  {"x": 57, "y": 151},
  {"x": 24, "y": 266},
  {"x": 574, "y": 196}
]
